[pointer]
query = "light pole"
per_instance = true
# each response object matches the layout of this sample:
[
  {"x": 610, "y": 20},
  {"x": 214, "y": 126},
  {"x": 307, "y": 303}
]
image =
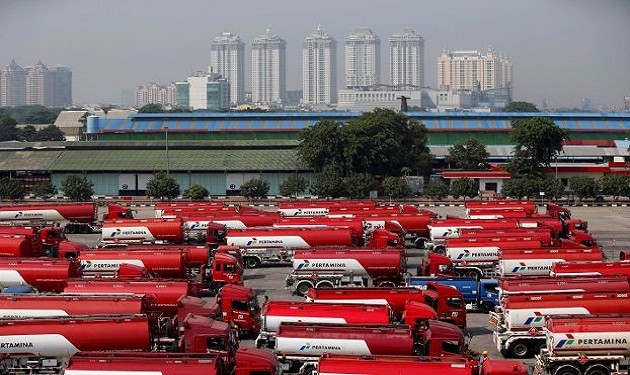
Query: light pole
[{"x": 166, "y": 142}]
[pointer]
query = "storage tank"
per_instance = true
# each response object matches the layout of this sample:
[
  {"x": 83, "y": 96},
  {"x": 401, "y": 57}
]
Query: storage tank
[{"x": 92, "y": 126}]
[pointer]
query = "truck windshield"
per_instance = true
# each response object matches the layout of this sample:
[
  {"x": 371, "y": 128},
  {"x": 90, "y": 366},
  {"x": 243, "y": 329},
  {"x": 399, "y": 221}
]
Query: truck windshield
[{"x": 451, "y": 347}]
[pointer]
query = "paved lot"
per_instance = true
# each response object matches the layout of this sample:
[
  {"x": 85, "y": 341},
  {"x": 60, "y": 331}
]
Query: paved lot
[{"x": 609, "y": 225}]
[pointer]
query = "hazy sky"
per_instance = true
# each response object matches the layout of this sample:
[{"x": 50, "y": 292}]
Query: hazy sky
[{"x": 564, "y": 50}]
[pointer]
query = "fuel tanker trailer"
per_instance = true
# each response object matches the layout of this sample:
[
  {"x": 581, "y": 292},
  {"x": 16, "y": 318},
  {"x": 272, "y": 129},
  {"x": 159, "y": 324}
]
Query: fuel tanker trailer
[
  {"x": 333, "y": 364},
  {"x": 519, "y": 329},
  {"x": 538, "y": 262},
  {"x": 330, "y": 267},
  {"x": 45, "y": 275},
  {"x": 44, "y": 345},
  {"x": 73, "y": 217},
  {"x": 591, "y": 269},
  {"x": 276, "y": 312},
  {"x": 586, "y": 345},
  {"x": 299, "y": 345},
  {"x": 541, "y": 285}
]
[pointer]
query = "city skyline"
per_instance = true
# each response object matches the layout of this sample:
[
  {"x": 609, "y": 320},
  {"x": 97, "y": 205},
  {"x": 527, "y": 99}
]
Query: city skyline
[{"x": 563, "y": 51}]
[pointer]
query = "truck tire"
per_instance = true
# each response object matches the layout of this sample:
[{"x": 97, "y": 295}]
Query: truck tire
[
  {"x": 440, "y": 249},
  {"x": 487, "y": 306},
  {"x": 567, "y": 370},
  {"x": 302, "y": 287},
  {"x": 325, "y": 284},
  {"x": 520, "y": 349},
  {"x": 308, "y": 370},
  {"x": 597, "y": 369},
  {"x": 420, "y": 243},
  {"x": 252, "y": 262}
]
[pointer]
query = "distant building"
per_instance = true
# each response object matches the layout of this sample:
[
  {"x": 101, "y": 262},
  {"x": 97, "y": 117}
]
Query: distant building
[
  {"x": 39, "y": 85},
  {"x": 12, "y": 85},
  {"x": 204, "y": 91},
  {"x": 156, "y": 94},
  {"x": 269, "y": 74},
  {"x": 62, "y": 86},
  {"x": 227, "y": 58},
  {"x": 363, "y": 59},
  {"x": 319, "y": 69},
  {"x": 626, "y": 103},
  {"x": 471, "y": 70},
  {"x": 406, "y": 59}
]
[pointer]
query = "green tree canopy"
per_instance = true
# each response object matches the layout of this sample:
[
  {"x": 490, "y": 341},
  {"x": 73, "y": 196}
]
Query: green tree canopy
[
  {"x": 41, "y": 115},
  {"x": 322, "y": 145},
  {"x": 328, "y": 183},
  {"x": 395, "y": 187},
  {"x": 255, "y": 188},
  {"x": 293, "y": 186},
  {"x": 537, "y": 141},
  {"x": 49, "y": 133},
  {"x": 162, "y": 186},
  {"x": 470, "y": 155},
  {"x": 615, "y": 185},
  {"x": 196, "y": 192},
  {"x": 8, "y": 129},
  {"x": 531, "y": 186},
  {"x": 358, "y": 185},
  {"x": 77, "y": 188},
  {"x": 44, "y": 189},
  {"x": 27, "y": 133},
  {"x": 464, "y": 187},
  {"x": 151, "y": 108},
  {"x": 583, "y": 186},
  {"x": 520, "y": 107},
  {"x": 436, "y": 190},
  {"x": 11, "y": 189}
]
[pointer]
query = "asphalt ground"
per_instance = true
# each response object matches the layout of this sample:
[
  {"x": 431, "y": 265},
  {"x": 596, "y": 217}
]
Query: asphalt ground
[{"x": 609, "y": 225}]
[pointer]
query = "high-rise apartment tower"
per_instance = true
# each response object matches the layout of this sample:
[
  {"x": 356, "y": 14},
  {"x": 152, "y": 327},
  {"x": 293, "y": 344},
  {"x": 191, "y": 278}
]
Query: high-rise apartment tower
[
  {"x": 406, "y": 59},
  {"x": 319, "y": 69},
  {"x": 269, "y": 69},
  {"x": 227, "y": 58},
  {"x": 363, "y": 59}
]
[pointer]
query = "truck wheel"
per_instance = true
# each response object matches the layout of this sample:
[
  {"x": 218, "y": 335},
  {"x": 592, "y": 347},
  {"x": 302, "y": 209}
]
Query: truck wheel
[
  {"x": 325, "y": 284},
  {"x": 567, "y": 370},
  {"x": 420, "y": 243},
  {"x": 520, "y": 349},
  {"x": 252, "y": 262},
  {"x": 302, "y": 288},
  {"x": 440, "y": 249},
  {"x": 597, "y": 369},
  {"x": 487, "y": 306},
  {"x": 308, "y": 370}
]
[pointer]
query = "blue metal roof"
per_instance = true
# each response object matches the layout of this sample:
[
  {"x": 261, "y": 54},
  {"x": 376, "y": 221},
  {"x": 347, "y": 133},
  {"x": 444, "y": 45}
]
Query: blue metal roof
[{"x": 295, "y": 121}]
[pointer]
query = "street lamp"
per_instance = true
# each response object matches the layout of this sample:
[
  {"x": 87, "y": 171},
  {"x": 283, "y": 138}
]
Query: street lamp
[{"x": 166, "y": 142}]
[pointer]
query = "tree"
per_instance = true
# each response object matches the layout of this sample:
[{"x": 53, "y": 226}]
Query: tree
[
  {"x": 27, "y": 133},
  {"x": 358, "y": 185},
  {"x": 328, "y": 183},
  {"x": 11, "y": 189},
  {"x": 322, "y": 145},
  {"x": 162, "y": 186},
  {"x": 552, "y": 187},
  {"x": 77, "y": 188},
  {"x": 436, "y": 190},
  {"x": 464, "y": 187},
  {"x": 44, "y": 189},
  {"x": 583, "y": 186},
  {"x": 151, "y": 108},
  {"x": 255, "y": 188},
  {"x": 49, "y": 133},
  {"x": 395, "y": 187},
  {"x": 520, "y": 107},
  {"x": 470, "y": 155},
  {"x": 537, "y": 142},
  {"x": 531, "y": 186},
  {"x": 8, "y": 129},
  {"x": 293, "y": 185},
  {"x": 38, "y": 114},
  {"x": 196, "y": 192},
  {"x": 615, "y": 185}
]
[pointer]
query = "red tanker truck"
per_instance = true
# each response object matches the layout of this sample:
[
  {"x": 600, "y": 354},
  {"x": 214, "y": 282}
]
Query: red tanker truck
[
  {"x": 240, "y": 307},
  {"x": 318, "y": 208},
  {"x": 445, "y": 300},
  {"x": 591, "y": 269},
  {"x": 248, "y": 362},
  {"x": 539, "y": 285},
  {"x": 166, "y": 231},
  {"x": 275, "y": 313},
  {"x": 330, "y": 267},
  {"x": 360, "y": 226},
  {"x": 545, "y": 234},
  {"x": 519, "y": 324},
  {"x": 299, "y": 238},
  {"x": 528, "y": 206},
  {"x": 46, "y": 344},
  {"x": 73, "y": 217},
  {"x": 299, "y": 345},
  {"x": 45, "y": 275},
  {"x": 199, "y": 221},
  {"x": 330, "y": 364},
  {"x": 586, "y": 345},
  {"x": 37, "y": 241},
  {"x": 538, "y": 262}
]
